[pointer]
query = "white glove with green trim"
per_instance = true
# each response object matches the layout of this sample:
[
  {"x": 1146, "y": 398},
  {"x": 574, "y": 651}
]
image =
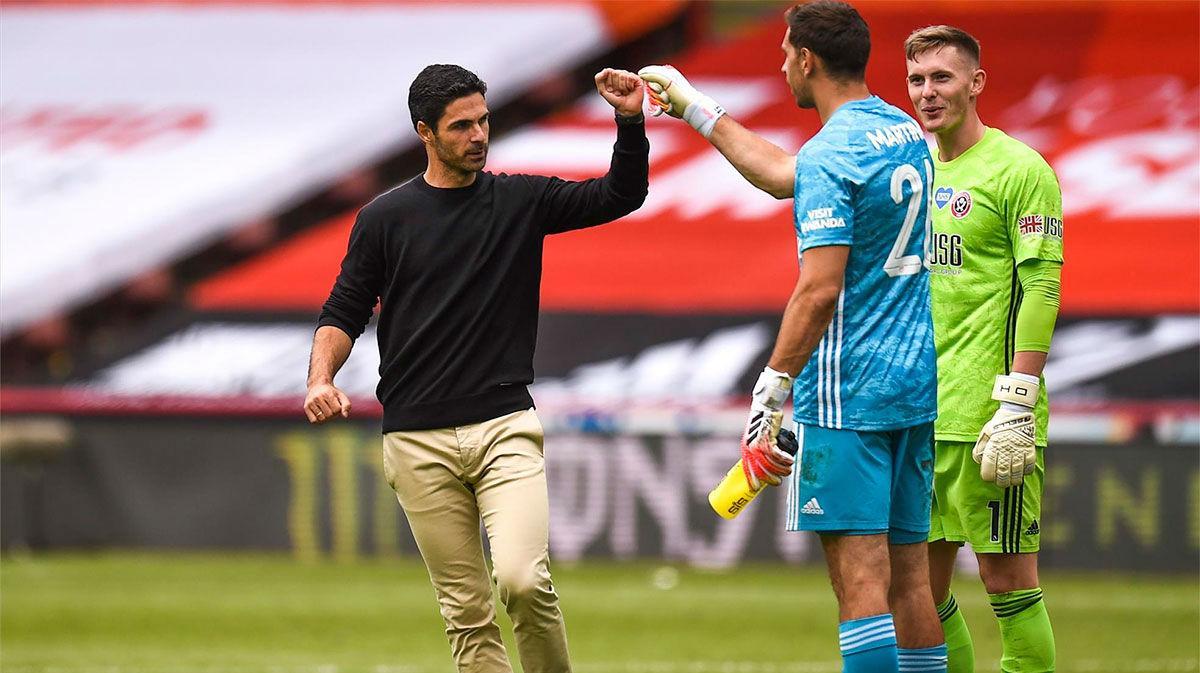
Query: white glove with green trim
[{"x": 1006, "y": 450}]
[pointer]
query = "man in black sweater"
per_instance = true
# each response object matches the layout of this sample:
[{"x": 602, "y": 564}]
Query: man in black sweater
[{"x": 454, "y": 258}]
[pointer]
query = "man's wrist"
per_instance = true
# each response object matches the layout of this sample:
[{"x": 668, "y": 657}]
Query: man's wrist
[{"x": 624, "y": 119}]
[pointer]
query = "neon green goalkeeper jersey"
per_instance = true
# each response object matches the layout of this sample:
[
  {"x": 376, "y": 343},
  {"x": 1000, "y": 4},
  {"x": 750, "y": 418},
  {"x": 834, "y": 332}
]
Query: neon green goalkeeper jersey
[{"x": 994, "y": 206}]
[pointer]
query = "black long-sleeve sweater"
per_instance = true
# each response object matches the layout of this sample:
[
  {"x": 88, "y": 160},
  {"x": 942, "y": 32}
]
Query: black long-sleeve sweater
[{"x": 457, "y": 274}]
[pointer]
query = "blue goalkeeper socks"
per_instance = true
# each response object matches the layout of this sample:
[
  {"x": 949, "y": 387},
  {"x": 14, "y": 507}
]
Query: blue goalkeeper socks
[
  {"x": 869, "y": 645},
  {"x": 924, "y": 660}
]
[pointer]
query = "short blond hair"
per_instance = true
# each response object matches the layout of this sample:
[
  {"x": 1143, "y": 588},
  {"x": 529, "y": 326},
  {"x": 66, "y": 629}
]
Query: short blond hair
[{"x": 935, "y": 37}]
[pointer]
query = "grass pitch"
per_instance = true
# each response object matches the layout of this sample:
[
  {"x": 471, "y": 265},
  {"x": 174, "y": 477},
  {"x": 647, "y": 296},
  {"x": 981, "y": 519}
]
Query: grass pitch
[{"x": 142, "y": 613}]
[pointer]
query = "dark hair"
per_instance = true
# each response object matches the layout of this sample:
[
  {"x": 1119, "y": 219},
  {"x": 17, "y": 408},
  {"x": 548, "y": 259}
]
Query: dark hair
[
  {"x": 935, "y": 37},
  {"x": 437, "y": 86},
  {"x": 834, "y": 31}
]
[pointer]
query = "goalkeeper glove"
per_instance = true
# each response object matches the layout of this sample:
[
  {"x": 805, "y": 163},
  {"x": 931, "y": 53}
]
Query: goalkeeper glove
[
  {"x": 1005, "y": 449},
  {"x": 671, "y": 93},
  {"x": 762, "y": 460}
]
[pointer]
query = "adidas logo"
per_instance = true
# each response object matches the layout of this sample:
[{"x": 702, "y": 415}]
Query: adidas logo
[
  {"x": 812, "y": 507},
  {"x": 1033, "y": 528}
]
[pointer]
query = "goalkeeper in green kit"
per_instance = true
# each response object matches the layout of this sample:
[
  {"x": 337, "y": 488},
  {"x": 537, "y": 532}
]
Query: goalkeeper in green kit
[{"x": 995, "y": 253}]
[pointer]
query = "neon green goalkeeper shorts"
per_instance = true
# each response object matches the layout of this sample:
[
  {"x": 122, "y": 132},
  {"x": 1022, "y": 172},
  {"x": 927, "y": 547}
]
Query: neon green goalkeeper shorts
[{"x": 967, "y": 509}]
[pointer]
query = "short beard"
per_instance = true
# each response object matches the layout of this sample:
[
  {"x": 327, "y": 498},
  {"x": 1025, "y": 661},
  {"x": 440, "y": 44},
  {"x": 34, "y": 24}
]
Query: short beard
[
  {"x": 804, "y": 99},
  {"x": 454, "y": 163}
]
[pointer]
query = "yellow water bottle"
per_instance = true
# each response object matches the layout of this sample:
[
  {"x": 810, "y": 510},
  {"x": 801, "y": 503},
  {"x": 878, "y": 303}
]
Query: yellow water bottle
[{"x": 732, "y": 495}]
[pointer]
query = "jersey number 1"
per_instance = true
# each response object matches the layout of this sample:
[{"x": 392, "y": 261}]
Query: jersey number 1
[{"x": 897, "y": 263}]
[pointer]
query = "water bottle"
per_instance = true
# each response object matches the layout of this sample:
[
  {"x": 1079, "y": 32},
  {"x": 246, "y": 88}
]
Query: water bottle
[{"x": 732, "y": 495}]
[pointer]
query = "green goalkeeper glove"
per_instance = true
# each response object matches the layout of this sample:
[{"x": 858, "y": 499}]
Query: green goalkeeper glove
[
  {"x": 1006, "y": 449},
  {"x": 671, "y": 93}
]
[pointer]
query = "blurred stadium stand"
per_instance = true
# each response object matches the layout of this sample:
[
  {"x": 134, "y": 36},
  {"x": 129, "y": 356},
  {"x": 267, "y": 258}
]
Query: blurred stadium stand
[
  {"x": 188, "y": 126},
  {"x": 172, "y": 334}
]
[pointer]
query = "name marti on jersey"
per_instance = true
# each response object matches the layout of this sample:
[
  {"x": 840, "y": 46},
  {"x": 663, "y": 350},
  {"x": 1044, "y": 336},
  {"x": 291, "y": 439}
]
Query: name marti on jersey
[{"x": 896, "y": 134}]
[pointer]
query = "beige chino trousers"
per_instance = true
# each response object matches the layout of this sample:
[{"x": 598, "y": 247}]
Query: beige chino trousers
[{"x": 447, "y": 480}]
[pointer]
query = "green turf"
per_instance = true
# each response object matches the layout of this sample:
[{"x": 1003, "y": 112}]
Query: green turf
[{"x": 127, "y": 613}]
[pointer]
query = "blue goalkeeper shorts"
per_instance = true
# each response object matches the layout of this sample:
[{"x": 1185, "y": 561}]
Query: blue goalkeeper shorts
[{"x": 848, "y": 482}]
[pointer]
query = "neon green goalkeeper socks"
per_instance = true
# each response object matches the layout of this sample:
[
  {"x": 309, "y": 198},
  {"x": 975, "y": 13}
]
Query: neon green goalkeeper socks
[
  {"x": 1025, "y": 631},
  {"x": 960, "y": 651}
]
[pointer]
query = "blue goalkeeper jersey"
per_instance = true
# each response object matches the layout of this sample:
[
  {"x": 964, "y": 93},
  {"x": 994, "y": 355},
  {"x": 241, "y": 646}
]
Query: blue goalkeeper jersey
[{"x": 864, "y": 181}]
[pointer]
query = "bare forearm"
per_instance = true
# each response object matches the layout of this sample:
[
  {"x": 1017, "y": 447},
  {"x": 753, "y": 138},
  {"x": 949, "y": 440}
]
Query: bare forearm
[
  {"x": 763, "y": 163},
  {"x": 804, "y": 322},
  {"x": 1029, "y": 362},
  {"x": 331, "y": 347}
]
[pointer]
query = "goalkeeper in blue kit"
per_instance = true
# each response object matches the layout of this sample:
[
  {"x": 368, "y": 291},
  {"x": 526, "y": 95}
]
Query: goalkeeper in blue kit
[{"x": 857, "y": 335}]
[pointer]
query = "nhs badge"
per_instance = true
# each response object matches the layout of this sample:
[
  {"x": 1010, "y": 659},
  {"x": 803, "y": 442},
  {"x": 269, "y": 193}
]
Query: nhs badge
[{"x": 942, "y": 196}]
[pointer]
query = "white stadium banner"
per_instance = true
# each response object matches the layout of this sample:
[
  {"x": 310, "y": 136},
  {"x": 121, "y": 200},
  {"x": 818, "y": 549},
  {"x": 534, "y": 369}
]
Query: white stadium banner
[
  {"x": 133, "y": 134},
  {"x": 685, "y": 385}
]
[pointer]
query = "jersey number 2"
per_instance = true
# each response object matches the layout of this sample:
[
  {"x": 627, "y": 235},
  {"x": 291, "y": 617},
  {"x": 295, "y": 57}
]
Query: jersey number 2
[{"x": 897, "y": 263}]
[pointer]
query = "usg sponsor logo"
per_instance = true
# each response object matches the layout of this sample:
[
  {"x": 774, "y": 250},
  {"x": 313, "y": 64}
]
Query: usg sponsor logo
[
  {"x": 945, "y": 250},
  {"x": 942, "y": 196},
  {"x": 1054, "y": 227},
  {"x": 961, "y": 205}
]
